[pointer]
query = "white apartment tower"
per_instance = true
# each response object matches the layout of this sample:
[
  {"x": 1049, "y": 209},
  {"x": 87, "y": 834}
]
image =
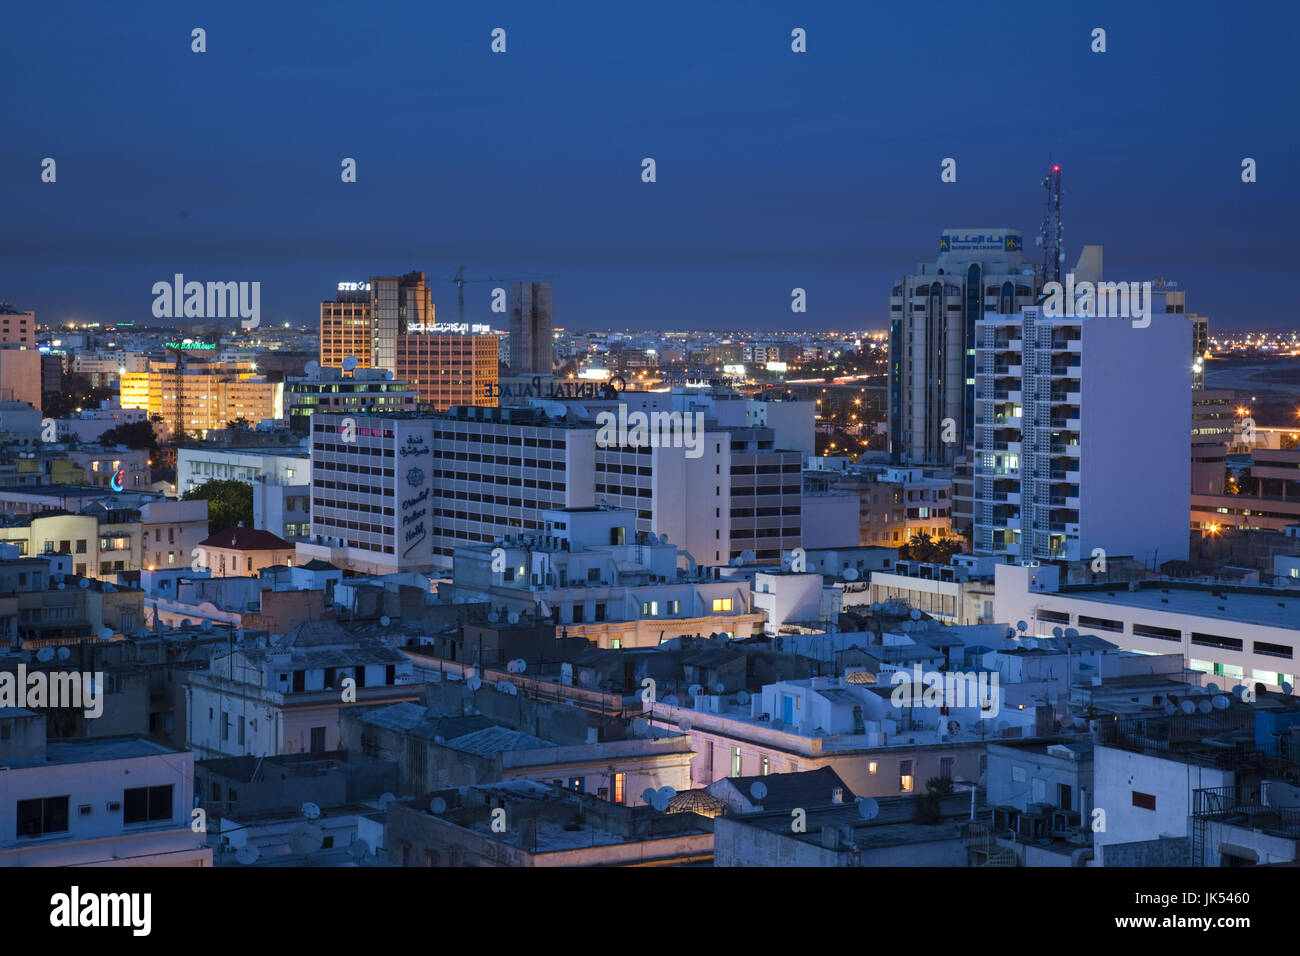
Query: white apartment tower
[{"x": 1080, "y": 437}]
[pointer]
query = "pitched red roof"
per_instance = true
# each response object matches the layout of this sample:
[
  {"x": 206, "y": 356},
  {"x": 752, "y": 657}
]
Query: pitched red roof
[{"x": 246, "y": 539}]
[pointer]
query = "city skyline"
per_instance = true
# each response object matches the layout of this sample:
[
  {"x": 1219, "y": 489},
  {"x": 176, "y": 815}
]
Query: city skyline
[{"x": 774, "y": 170}]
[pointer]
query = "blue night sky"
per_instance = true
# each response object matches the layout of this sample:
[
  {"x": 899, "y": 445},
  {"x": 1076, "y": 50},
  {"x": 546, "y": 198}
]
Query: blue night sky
[{"x": 775, "y": 169}]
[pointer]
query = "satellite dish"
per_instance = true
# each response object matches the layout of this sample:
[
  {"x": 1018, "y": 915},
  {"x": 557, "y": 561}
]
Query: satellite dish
[
  {"x": 639, "y": 726},
  {"x": 1071, "y": 633},
  {"x": 719, "y": 687},
  {"x": 507, "y": 688},
  {"x": 1188, "y": 707},
  {"x": 105, "y": 633},
  {"x": 247, "y": 855},
  {"x": 306, "y": 838},
  {"x": 385, "y": 620},
  {"x": 758, "y": 790},
  {"x": 695, "y": 690},
  {"x": 513, "y": 617},
  {"x": 493, "y": 617},
  {"x": 349, "y": 363},
  {"x": 663, "y": 539},
  {"x": 385, "y": 799},
  {"x": 850, "y": 574},
  {"x": 1205, "y": 706},
  {"x": 1239, "y": 691},
  {"x": 1212, "y": 687},
  {"x": 207, "y": 626},
  {"x": 62, "y": 585},
  {"x": 84, "y": 583},
  {"x": 1169, "y": 709},
  {"x": 1058, "y": 631},
  {"x": 672, "y": 701},
  {"x": 659, "y": 800},
  {"x": 1011, "y": 632},
  {"x": 311, "y": 811},
  {"x": 648, "y": 795},
  {"x": 388, "y": 375},
  {"x": 868, "y": 808},
  {"x": 742, "y": 697},
  {"x": 312, "y": 367},
  {"x": 358, "y": 849},
  {"x": 437, "y": 806},
  {"x": 1029, "y": 643},
  {"x": 521, "y": 665},
  {"x": 584, "y": 677},
  {"x": 1220, "y": 702},
  {"x": 64, "y": 653},
  {"x": 1287, "y": 688},
  {"x": 474, "y": 683},
  {"x": 45, "y": 655},
  {"x": 1020, "y": 626},
  {"x": 915, "y": 615}
]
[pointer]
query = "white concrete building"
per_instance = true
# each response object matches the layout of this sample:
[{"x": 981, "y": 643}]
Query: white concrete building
[
  {"x": 110, "y": 801},
  {"x": 259, "y": 699},
  {"x": 594, "y": 575},
  {"x": 1236, "y": 634},
  {"x": 1067, "y": 411},
  {"x": 284, "y": 466}
]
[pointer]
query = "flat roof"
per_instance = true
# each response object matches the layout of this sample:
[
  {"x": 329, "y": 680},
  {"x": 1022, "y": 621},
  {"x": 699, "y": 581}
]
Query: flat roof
[{"x": 1270, "y": 608}]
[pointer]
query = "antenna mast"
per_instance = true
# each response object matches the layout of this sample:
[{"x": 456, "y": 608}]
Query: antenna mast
[{"x": 1050, "y": 236}]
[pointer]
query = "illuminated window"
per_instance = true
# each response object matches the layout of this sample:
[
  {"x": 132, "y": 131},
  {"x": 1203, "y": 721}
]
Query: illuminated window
[
  {"x": 905, "y": 778},
  {"x": 620, "y": 779},
  {"x": 735, "y": 761},
  {"x": 871, "y": 766},
  {"x": 722, "y": 604}
]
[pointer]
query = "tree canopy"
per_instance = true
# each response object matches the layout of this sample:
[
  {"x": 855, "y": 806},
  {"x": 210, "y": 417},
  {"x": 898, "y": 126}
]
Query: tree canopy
[{"x": 229, "y": 503}]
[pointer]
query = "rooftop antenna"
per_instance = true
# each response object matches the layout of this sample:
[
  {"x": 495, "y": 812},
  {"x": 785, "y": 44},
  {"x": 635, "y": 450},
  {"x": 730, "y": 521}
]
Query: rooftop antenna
[{"x": 1049, "y": 240}]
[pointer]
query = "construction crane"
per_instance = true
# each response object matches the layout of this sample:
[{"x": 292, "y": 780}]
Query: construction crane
[
  {"x": 178, "y": 428},
  {"x": 460, "y": 280}
]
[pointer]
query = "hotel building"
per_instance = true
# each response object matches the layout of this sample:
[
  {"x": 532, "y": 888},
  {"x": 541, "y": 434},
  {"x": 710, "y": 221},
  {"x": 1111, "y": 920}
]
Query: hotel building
[{"x": 932, "y": 338}]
